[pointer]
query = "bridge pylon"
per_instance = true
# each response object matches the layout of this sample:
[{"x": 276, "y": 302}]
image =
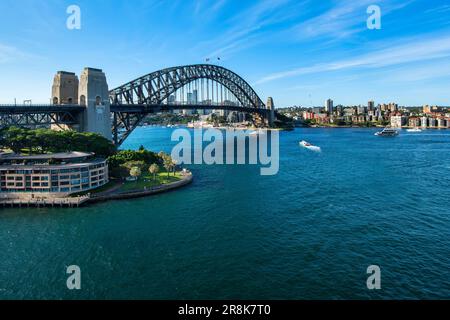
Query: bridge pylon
[
  {"x": 93, "y": 93},
  {"x": 65, "y": 92},
  {"x": 271, "y": 115}
]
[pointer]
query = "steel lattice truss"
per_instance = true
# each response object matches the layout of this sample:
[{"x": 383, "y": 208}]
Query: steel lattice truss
[
  {"x": 37, "y": 116},
  {"x": 149, "y": 92}
]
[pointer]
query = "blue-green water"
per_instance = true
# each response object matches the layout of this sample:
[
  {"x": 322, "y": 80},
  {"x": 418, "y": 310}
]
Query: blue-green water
[{"x": 308, "y": 233}]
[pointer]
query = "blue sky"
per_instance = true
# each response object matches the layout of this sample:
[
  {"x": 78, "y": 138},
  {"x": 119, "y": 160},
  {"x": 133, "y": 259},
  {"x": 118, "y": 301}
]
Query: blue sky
[{"x": 301, "y": 52}]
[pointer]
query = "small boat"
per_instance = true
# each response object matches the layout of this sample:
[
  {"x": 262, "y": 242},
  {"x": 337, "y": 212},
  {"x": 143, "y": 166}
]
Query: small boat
[
  {"x": 253, "y": 133},
  {"x": 309, "y": 146},
  {"x": 414, "y": 130},
  {"x": 387, "y": 132}
]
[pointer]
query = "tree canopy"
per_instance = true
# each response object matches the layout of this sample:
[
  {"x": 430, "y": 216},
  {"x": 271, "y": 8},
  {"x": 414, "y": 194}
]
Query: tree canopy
[{"x": 50, "y": 141}]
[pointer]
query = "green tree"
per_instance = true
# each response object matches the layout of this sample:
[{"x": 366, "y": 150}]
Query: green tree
[
  {"x": 153, "y": 169},
  {"x": 168, "y": 163},
  {"x": 135, "y": 172},
  {"x": 135, "y": 164}
]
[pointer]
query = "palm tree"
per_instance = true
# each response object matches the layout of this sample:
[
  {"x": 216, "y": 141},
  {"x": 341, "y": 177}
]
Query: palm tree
[
  {"x": 135, "y": 172},
  {"x": 153, "y": 169}
]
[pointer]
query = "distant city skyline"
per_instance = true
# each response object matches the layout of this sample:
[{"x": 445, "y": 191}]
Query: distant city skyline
[{"x": 298, "y": 52}]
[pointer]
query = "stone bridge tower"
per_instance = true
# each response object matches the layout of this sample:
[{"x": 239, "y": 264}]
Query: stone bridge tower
[
  {"x": 65, "y": 88},
  {"x": 65, "y": 91},
  {"x": 271, "y": 107},
  {"x": 94, "y": 95}
]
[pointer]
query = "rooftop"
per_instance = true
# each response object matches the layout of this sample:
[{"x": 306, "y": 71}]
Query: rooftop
[
  {"x": 53, "y": 156},
  {"x": 66, "y": 72}
]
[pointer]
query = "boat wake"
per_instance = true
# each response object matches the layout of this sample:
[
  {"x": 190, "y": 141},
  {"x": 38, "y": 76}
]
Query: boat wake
[{"x": 310, "y": 147}]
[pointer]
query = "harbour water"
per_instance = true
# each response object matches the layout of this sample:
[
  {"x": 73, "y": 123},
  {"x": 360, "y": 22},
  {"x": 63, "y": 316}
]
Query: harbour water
[{"x": 309, "y": 232}]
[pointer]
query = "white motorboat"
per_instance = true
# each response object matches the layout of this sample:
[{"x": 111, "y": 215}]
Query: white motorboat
[
  {"x": 309, "y": 146},
  {"x": 414, "y": 130},
  {"x": 387, "y": 132}
]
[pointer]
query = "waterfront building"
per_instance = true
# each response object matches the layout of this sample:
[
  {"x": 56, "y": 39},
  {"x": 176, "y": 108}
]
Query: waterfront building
[
  {"x": 50, "y": 175},
  {"x": 432, "y": 122},
  {"x": 397, "y": 121},
  {"x": 306, "y": 115},
  {"x": 317, "y": 109},
  {"x": 329, "y": 106},
  {"x": 361, "y": 110},
  {"x": 393, "y": 107},
  {"x": 348, "y": 112},
  {"x": 424, "y": 122},
  {"x": 414, "y": 122}
]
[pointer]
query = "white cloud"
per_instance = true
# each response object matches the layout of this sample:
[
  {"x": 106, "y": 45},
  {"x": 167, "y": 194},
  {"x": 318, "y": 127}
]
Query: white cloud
[
  {"x": 9, "y": 54},
  {"x": 414, "y": 50},
  {"x": 344, "y": 19},
  {"x": 247, "y": 26}
]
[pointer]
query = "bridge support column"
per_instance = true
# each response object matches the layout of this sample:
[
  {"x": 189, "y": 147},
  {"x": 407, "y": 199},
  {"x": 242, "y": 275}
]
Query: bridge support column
[
  {"x": 94, "y": 95},
  {"x": 65, "y": 92},
  {"x": 271, "y": 115}
]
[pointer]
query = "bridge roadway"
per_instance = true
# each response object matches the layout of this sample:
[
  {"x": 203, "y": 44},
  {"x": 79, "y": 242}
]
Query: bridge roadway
[
  {"x": 38, "y": 108},
  {"x": 128, "y": 108}
]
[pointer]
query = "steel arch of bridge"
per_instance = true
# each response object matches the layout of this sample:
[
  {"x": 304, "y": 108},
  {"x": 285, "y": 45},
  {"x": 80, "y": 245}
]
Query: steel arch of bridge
[{"x": 131, "y": 102}]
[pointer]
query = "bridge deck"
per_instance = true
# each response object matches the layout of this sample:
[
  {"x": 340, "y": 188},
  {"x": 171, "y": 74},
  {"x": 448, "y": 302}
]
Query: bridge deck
[
  {"x": 130, "y": 108},
  {"x": 39, "y": 108}
]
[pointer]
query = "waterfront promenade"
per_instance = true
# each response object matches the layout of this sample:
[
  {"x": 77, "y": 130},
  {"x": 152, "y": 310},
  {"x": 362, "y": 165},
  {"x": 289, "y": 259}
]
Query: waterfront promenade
[
  {"x": 114, "y": 193},
  {"x": 45, "y": 202}
]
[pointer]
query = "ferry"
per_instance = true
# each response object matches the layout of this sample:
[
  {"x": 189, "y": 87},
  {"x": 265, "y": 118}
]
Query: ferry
[
  {"x": 309, "y": 146},
  {"x": 414, "y": 130},
  {"x": 387, "y": 132}
]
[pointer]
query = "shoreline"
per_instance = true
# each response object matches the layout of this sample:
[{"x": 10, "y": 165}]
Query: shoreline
[
  {"x": 133, "y": 194},
  {"x": 376, "y": 127},
  {"x": 109, "y": 195}
]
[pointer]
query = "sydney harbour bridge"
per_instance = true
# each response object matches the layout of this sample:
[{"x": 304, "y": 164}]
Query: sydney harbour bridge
[{"x": 86, "y": 104}]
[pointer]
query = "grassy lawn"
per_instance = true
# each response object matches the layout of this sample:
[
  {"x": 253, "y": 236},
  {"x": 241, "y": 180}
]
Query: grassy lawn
[
  {"x": 107, "y": 186},
  {"x": 146, "y": 181}
]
